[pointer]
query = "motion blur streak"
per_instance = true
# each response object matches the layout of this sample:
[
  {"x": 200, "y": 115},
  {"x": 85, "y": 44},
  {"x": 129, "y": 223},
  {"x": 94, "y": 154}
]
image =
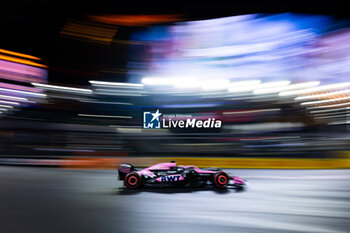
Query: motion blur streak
[
  {"x": 85, "y": 31},
  {"x": 330, "y": 106},
  {"x": 20, "y": 88},
  {"x": 280, "y": 88},
  {"x": 263, "y": 76},
  {"x": 276, "y": 201},
  {"x": 90, "y": 115},
  {"x": 15, "y": 75},
  {"x": 21, "y": 61},
  {"x": 278, "y": 84},
  {"x": 253, "y": 111},
  {"x": 5, "y": 106},
  {"x": 316, "y": 89},
  {"x": 23, "y": 92},
  {"x": 325, "y": 101},
  {"x": 8, "y": 102},
  {"x": 62, "y": 88},
  {"x": 329, "y": 110},
  {"x": 12, "y": 98},
  {"x": 115, "y": 84},
  {"x": 244, "y": 86},
  {"x": 134, "y": 20},
  {"x": 335, "y": 93},
  {"x": 19, "y": 54}
]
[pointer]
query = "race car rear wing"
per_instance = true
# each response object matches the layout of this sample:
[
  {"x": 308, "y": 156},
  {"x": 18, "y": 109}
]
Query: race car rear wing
[{"x": 124, "y": 169}]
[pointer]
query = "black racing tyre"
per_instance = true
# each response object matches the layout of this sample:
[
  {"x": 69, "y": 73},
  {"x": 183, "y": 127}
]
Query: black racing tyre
[
  {"x": 220, "y": 180},
  {"x": 132, "y": 180}
]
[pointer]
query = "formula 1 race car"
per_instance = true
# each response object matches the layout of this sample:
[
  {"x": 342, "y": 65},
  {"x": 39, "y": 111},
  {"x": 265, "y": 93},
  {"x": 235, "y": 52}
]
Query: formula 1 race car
[{"x": 169, "y": 174}]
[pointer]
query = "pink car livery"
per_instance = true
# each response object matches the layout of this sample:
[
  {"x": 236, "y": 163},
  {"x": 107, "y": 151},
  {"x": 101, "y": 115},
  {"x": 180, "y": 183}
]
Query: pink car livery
[{"x": 169, "y": 174}]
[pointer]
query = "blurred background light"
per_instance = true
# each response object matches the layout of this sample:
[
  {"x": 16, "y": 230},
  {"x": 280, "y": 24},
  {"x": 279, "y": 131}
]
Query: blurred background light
[{"x": 280, "y": 76}]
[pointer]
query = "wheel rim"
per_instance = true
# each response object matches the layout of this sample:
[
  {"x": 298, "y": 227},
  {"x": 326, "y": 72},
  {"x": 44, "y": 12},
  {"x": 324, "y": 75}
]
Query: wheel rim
[
  {"x": 222, "y": 179},
  {"x": 132, "y": 180}
]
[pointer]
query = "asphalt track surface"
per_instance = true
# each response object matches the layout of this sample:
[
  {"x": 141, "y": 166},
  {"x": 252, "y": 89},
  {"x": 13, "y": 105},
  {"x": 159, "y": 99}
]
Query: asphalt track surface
[{"x": 45, "y": 200}]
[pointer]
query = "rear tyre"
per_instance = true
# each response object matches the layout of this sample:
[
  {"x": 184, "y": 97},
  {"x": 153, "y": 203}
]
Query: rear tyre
[
  {"x": 132, "y": 180},
  {"x": 220, "y": 180}
]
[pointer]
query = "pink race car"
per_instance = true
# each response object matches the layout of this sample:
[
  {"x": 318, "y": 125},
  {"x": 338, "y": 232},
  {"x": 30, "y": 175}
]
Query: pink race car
[{"x": 169, "y": 174}]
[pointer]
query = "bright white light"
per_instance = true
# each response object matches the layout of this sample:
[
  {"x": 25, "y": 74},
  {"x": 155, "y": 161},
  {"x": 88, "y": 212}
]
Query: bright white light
[
  {"x": 5, "y": 106},
  {"x": 3, "y": 109},
  {"x": 186, "y": 83},
  {"x": 338, "y": 122},
  {"x": 334, "y": 116},
  {"x": 330, "y": 106},
  {"x": 215, "y": 85},
  {"x": 322, "y": 95},
  {"x": 265, "y": 88},
  {"x": 315, "y": 89},
  {"x": 256, "y": 86},
  {"x": 118, "y": 93},
  {"x": 23, "y": 92},
  {"x": 330, "y": 114},
  {"x": 129, "y": 130},
  {"x": 329, "y": 110},
  {"x": 8, "y": 102},
  {"x": 116, "y": 84},
  {"x": 154, "y": 81},
  {"x": 325, "y": 101},
  {"x": 252, "y": 111},
  {"x": 104, "y": 116},
  {"x": 243, "y": 86},
  {"x": 67, "y": 89},
  {"x": 274, "y": 84},
  {"x": 285, "y": 87},
  {"x": 12, "y": 98}
]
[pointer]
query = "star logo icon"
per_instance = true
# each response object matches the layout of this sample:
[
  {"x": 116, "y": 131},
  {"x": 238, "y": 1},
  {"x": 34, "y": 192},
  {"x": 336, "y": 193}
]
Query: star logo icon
[
  {"x": 156, "y": 115},
  {"x": 151, "y": 119}
]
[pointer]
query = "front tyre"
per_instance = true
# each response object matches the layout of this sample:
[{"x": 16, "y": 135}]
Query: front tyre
[
  {"x": 132, "y": 180},
  {"x": 221, "y": 180}
]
